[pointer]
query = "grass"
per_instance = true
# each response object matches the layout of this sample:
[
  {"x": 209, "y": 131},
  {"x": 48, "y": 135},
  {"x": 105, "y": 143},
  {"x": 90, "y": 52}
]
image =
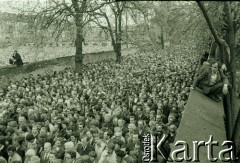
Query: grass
[
  {"x": 13, "y": 77},
  {"x": 33, "y": 54}
]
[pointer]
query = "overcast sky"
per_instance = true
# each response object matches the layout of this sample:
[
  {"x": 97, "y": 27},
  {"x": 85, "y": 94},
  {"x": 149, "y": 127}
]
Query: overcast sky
[{"x": 14, "y": 6}]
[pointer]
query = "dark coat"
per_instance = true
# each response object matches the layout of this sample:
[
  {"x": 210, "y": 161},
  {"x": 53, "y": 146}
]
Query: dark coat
[
  {"x": 85, "y": 151},
  {"x": 18, "y": 59},
  {"x": 203, "y": 79},
  {"x": 44, "y": 159}
]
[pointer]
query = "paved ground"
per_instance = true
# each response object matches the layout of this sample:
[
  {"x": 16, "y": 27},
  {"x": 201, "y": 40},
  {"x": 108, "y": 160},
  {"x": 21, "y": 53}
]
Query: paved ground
[{"x": 202, "y": 117}]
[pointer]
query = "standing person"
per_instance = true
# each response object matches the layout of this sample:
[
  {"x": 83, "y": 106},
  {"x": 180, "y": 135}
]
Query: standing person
[
  {"x": 44, "y": 156},
  {"x": 108, "y": 155},
  {"x": 12, "y": 154},
  {"x": 16, "y": 59}
]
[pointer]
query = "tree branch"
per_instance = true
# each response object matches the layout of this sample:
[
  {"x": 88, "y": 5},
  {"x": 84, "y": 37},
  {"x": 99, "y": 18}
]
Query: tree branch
[{"x": 203, "y": 9}]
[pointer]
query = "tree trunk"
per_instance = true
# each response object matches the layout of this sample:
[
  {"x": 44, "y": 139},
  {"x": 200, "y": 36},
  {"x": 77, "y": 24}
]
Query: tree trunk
[
  {"x": 226, "y": 99},
  {"x": 231, "y": 36},
  {"x": 118, "y": 52},
  {"x": 162, "y": 38},
  {"x": 118, "y": 48},
  {"x": 126, "y": 29},
  {"x": 209, "y": 23},
  {"x": 79, "y": 54},
  {"x": 79, "y": 35}
]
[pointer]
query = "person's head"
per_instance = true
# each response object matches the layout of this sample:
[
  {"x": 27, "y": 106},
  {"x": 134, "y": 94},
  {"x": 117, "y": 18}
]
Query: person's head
[
  {"x": 120, "y": 122},
  {"x": 47, "y": 147},
  {"x": 131, "y": 128},
  {"x": 30, "y": 138},
  {"x": 206, "y": 63},
  {"x": 110, "y": 148},
  {"x": 107, "y": 118},
  {"x": 98, "y": 138},
  {"x": 69, "y": 146},
  {"x": 43, "y": 131},
  {"x": 171, "y": 119},
  {"x": 140, "y": 124},
  {"x": 172, "y": 128},
  {"x": 35, "y": 129},
  {"x": 18, "y": 140},
  {"x": 69, "y": 131},
  {"x": 152, "y": 125},
  {"x": 135, "y": 137},
  {"x": 159, "y": 128},
  {"x": 21, "y": 120},
  {"x": 35, "y": 159},
  {"x": 106, "y": 135},
  {"x": 134, "y": 108},
  {"x": 132, "y": 119},
  {"x": 11, "y": 150},
  {"x": 52, "y": 156},
  {"x": 30, "y": 153},
  {"x": 117, "y": 131},
  {"x": 89, "y": 134},
  {"x": 214, "y": 67},
  {"x": 80, "y": 125},
  {"x": 84, "y": 140},
  {"x": 139, "y": 110}
]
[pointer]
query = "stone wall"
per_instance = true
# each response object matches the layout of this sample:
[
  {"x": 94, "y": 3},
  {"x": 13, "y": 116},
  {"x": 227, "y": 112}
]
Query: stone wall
[{"x": 15, "y": 73}]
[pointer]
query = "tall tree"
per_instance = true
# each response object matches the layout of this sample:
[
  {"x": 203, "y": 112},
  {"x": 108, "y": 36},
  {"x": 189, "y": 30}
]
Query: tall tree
[
  {"x": 79, "y": 10},
  {"x": 115, "y": 31},
  {"x": 223, "y": 45},
  {"x": 59, "y": 14}
]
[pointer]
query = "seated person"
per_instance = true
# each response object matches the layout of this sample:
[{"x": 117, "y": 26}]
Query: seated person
[
  {"x": 212, "y": 81},
  {"x": 204, "y": 66},
  {"x": 16, "y": 59}
]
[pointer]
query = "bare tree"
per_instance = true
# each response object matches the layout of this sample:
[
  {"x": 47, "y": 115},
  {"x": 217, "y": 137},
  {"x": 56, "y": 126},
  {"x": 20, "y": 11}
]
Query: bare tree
[
  {"x": 231, "y": 27},
  {"x": 115, "y": 31},
  {"x": 59, "y": 15}
]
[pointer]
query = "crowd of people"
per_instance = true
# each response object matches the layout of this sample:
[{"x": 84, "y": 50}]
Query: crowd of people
[{"x": 60, "y": 117}]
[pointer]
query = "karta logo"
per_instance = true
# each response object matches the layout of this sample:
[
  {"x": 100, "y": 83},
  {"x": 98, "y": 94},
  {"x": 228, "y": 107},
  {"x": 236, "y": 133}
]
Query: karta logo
[{"x": 182, "y": 152}]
